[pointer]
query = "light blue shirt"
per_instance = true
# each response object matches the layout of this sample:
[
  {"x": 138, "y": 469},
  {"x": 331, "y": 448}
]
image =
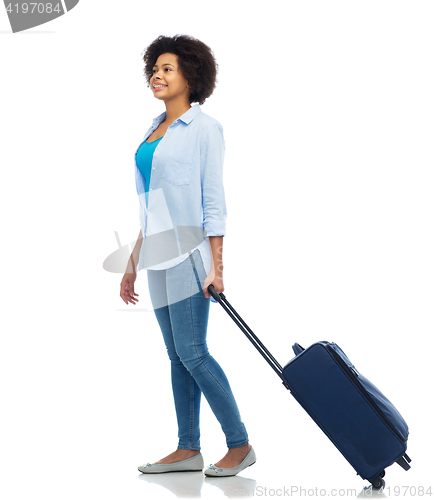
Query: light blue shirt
[{"x": 186, "y": 199}]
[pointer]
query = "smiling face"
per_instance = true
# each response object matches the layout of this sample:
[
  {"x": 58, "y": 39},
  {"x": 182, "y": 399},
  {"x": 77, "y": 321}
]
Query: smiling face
[{"x": 167, "y": 82}]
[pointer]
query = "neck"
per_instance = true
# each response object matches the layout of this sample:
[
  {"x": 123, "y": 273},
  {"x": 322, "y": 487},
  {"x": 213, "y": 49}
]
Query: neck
[{"x": 175, "y": 109}]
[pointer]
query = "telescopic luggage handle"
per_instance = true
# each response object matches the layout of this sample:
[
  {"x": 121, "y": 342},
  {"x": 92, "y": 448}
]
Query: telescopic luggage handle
[{"x": 223, "y": 301}]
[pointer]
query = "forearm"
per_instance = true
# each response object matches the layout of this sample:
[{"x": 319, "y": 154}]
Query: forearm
[
  {"x": 134, "y": 257},
  {"x": 216, "y": 243}
]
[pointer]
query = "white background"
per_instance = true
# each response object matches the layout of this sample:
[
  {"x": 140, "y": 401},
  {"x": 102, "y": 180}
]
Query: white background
[{"x": 327, "y": 109}]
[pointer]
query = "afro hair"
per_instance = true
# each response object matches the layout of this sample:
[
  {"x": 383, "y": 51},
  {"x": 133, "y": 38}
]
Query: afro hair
[{"x": 195, "y": 60}]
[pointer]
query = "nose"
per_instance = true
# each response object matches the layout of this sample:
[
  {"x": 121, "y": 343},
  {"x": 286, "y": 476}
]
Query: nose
[{"x": 157, "y": 75}]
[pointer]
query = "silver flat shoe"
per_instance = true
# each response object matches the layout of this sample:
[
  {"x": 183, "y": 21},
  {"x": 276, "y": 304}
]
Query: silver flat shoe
[
  {"x": 218, "y": 471},
  {"x": 191, "y": 464}
]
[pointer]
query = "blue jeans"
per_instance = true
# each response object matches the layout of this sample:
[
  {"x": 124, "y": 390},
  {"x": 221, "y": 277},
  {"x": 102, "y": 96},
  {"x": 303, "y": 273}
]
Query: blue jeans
[{"x": 182, "y": 312}]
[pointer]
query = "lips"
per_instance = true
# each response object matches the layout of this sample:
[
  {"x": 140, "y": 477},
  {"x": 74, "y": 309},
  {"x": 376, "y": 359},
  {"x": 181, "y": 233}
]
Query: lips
[{"x": 158, "y": 86}]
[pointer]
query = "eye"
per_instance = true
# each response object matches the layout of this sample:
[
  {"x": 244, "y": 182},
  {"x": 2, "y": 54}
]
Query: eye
[{"x": 168, "y": 69}]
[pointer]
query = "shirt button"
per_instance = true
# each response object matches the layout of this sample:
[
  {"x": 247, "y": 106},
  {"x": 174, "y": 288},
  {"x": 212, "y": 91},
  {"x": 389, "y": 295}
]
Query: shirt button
[{"x": 153, "y": 168}]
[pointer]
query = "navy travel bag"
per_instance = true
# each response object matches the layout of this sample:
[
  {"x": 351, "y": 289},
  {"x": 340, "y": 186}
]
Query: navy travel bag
[{"x": 359, "y": 420}]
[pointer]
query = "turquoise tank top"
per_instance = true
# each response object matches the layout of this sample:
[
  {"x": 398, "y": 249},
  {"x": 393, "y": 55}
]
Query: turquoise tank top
[{"x": 144, "y": 157}]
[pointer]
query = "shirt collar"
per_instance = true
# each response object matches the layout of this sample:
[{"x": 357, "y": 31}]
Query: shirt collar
[{"x": 187, "y": 117}]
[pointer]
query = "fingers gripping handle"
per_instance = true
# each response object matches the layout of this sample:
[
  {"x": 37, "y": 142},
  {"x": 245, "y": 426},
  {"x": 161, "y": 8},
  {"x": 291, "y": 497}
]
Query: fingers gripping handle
[{"x": 214, "y": 294}]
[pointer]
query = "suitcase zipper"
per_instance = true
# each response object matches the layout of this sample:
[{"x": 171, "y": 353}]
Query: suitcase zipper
[{"x": 353, "y": 376}]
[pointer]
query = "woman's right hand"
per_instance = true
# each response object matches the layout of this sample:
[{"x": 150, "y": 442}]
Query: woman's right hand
[{"x": 127, "y": 288}]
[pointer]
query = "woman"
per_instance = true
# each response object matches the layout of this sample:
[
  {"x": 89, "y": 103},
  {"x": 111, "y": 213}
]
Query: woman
[{"x": 179, "y": 168}]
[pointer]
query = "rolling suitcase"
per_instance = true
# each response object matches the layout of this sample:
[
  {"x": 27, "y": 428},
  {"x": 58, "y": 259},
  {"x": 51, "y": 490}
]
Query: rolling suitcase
[{"x": 360, "y": 421}]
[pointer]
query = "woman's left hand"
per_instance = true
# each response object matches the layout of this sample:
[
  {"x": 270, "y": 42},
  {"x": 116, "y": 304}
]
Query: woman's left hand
[{"x": 215, "y": 281}]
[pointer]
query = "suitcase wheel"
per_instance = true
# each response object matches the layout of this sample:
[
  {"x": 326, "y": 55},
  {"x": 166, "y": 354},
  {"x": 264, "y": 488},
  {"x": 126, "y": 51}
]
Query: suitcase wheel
[{"x": 378, "y": 482}]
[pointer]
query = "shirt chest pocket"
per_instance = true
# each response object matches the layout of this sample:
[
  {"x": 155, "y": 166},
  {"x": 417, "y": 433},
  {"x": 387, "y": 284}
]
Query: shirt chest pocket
[{"x": 179, "y": 166}]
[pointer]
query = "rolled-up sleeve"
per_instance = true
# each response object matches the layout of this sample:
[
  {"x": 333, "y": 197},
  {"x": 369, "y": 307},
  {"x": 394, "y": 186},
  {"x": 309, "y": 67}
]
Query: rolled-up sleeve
[{"x": 211, "y": 169}]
